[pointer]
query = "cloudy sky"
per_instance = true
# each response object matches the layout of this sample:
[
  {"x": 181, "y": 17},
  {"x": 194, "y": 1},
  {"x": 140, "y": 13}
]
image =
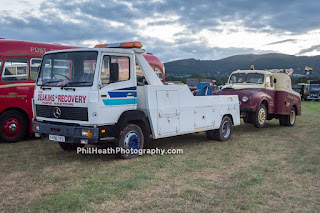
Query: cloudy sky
[{"x": 171, "y": 29}]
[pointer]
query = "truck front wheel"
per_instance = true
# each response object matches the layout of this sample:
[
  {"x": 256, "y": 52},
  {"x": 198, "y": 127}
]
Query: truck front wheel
[
  {"x": 223, "y": 133},
  {"x": 13, "y": 126},
  {"x": 131, "y": 140},
  {"x": 260, "y": 116}
]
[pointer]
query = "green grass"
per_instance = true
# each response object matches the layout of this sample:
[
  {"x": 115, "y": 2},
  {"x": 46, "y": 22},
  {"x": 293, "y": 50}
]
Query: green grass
[{"x": 257, "y": 170}]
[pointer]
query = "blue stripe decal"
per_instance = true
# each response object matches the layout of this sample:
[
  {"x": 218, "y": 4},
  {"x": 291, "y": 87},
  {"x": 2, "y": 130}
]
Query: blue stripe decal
[
  {"x": 113, "y": 102},
  {"x": 128, "y": 88},
  {"x": 119, "y": 94}
]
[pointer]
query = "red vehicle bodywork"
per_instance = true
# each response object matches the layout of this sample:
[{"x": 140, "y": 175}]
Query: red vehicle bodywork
[
  {"x": 277, "y": 101},
  {"x": 277, "y": 96},
  {"x": 16, "y": 96}
]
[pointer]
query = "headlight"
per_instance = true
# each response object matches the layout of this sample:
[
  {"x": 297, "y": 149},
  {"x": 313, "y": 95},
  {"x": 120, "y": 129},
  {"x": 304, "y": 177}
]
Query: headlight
[
  {"x": 245, "y": 99},
  {"x": 36, "y": 127},
  {"x": 86, "y": 133}
]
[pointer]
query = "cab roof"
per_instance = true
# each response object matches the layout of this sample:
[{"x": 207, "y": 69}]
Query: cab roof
[
  {"x": 252, "y": 71},
  {"x": 270, "y": 71},
  {"x": 106, "y": 50}
]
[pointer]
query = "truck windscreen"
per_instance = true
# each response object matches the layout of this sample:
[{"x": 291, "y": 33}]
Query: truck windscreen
[
  {"x": 238, "y": 78},
  {"x": 68, "y": 69},
  {"x": 314, "y": 88}
]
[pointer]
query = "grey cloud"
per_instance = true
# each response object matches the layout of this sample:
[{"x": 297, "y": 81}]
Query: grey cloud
[
  {"x": 307, "y": 50},
  {"x": 283, "y": 41}
]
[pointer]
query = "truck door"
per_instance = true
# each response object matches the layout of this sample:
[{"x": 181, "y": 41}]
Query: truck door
[
  {"x": 271, "y": 93},
  {"x": 118, "y": 91}
]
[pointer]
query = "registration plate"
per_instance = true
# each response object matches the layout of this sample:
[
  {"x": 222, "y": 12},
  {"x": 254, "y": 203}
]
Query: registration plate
[{"x": 57, "y": 138}]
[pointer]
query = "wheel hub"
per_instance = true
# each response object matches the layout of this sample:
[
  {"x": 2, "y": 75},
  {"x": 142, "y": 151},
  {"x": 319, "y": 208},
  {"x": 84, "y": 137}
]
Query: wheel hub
[
  {"x": 132, "y": 140},
  {"x": 262, "y": 116},
  {"x": 226, "y": 130},
  {"x": 292, "y": 117},
  {"x": 11, "y": 127}
]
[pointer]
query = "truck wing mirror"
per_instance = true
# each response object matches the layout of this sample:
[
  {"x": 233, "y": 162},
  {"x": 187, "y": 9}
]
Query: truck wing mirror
[
  {"x": 114, "y": 72},
  {"x": 275, "y": 80}
]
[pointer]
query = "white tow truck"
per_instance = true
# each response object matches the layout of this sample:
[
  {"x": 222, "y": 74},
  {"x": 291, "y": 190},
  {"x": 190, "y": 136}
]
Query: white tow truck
[{"x": 91, "y": 96}]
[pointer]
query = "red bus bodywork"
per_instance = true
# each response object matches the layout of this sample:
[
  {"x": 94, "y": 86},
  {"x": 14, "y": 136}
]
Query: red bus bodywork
[
  {"x": 18, "y": 76},
  {"x": 16, "y": 92}
]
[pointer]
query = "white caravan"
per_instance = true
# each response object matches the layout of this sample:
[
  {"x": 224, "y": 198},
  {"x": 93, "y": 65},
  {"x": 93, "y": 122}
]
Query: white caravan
[{"x": 91, "y": 96}]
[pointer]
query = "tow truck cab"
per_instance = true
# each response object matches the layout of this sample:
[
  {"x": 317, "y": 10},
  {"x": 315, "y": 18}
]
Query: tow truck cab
[{"x": 91, "y": 96}]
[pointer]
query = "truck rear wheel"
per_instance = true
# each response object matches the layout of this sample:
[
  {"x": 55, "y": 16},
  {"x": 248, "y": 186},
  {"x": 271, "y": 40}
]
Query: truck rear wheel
[
  {"x": 13, "y": 126},
  {"x": 131, "y": 140},
  {"x": 223, "y": 133},
  {"x": 70, "y": 146},
  {"x": 260, "y": 116},
  {"x": 288, "y": 120}
]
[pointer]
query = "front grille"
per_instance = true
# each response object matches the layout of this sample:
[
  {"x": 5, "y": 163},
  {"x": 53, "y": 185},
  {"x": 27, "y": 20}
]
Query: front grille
[{"x": 66, "y": 113}]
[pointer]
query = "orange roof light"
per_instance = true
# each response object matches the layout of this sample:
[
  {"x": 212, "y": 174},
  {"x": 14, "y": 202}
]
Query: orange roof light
[
  {"x": 252, "y": 67},
  {"x": 135, "y": 44}
]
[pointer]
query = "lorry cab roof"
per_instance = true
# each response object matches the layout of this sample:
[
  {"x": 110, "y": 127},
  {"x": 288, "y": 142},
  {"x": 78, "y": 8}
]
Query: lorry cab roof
[
  {"x": 270, "y": 71},
  {"x": 252, "y": 71},
  {"x": 108, "y": 50}
]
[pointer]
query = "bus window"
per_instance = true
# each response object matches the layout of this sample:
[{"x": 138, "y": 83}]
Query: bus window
[
  {"x": 35, "y": 63},
  {"x": 15, "y": 69}
]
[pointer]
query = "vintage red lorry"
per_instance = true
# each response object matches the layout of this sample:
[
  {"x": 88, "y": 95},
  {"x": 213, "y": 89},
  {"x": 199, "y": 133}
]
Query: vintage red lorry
[{"x": 264, "y": 95}]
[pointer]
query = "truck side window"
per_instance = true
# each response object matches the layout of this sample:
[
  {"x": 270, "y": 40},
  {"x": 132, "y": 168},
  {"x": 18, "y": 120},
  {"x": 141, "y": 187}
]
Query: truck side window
[
  {"x": 105, "y": 72},
  {"x": 271, "y": 81},
  {"x": 15, "y": 69},
  {"x": 124, "y": 67},
  {"x": 268, "y": 81},
  {"x": 34, "y": 65}
]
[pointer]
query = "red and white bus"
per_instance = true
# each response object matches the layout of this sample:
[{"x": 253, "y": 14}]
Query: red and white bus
[{"x": 19, "y": 62}]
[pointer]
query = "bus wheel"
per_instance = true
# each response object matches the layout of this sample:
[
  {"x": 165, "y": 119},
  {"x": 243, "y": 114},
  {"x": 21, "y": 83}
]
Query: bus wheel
[
  {"x": 13, "y": 126},
  {"x": 131, "y": 140}
]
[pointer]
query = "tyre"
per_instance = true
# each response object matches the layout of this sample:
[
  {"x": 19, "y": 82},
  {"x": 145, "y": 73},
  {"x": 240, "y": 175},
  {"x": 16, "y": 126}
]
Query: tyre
[
  {"x": 70, "y": 146},
  {"x": 13, "y": 125},
  {"x": 288, "y": 120},
  {"x": 260, "y": 116},
  {"x": 131, "y": 138},
  {"x": 225, "y": 130},
  {"x": 282, "y": 120}
]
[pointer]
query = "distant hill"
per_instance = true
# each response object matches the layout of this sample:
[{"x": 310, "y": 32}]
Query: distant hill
[{"x": 223, "y": 67}]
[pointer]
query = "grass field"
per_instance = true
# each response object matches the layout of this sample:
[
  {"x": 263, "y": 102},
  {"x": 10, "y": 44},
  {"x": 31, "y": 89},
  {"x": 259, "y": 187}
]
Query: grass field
[{"x": 257, "y": 170}]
